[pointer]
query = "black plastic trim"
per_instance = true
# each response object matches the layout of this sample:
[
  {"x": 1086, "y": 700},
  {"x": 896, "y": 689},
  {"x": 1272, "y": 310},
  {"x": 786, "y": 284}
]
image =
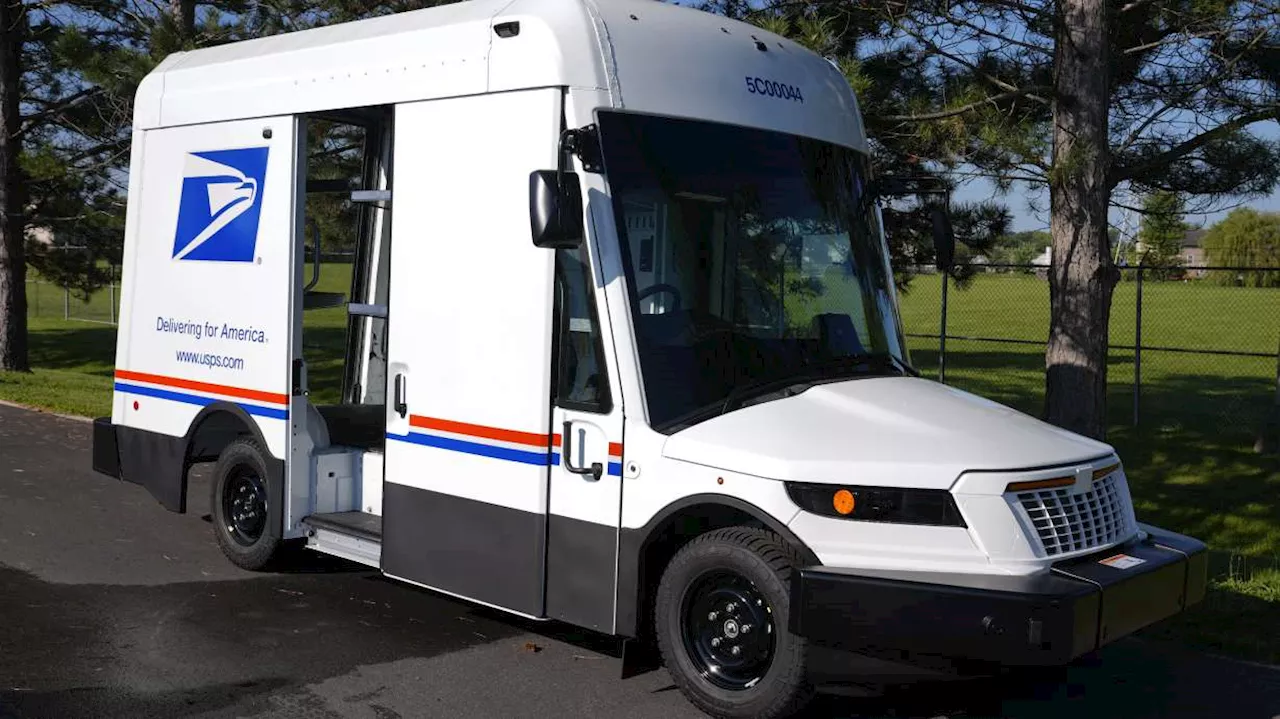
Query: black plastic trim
[
  {"x": 1197, "y": 555},
  {"x": 155, "y": 461},
  {"x": 353, "y": 524},
  {"x": 632, "y": 544},
  {"x": 802, "y": 495},
  {"x": 106, "y": 450},
  {"x": 506, "y": 30},
  {"x": 1048, "y": 618},
  {"x": 160, "y": 461}
]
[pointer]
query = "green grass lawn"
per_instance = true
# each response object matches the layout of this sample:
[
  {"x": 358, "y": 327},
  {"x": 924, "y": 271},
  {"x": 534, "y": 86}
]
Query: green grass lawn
[{"x": 1190, "y": 461}]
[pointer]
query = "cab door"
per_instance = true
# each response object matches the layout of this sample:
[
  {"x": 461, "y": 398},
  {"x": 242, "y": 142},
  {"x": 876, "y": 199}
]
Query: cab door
[{"x": 586, "y": 476}]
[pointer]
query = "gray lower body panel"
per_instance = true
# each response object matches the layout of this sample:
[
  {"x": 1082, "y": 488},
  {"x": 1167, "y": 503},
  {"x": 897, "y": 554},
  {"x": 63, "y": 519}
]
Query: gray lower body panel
[
  {"x": 580, "y": 572},
  {"x": 474, "y": 549}
]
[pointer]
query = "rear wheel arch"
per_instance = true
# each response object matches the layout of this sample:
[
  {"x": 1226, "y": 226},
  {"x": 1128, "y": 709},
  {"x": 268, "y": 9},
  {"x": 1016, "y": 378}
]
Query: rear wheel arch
[
  {"x": 216, "y": 426},
  {"x": 645, "y": 551}
]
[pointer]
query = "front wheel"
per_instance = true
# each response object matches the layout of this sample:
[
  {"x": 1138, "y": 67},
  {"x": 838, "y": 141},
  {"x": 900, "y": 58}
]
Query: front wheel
[
  {"x": 721, "y": 620},
  {"x": 241, "y": 506}
]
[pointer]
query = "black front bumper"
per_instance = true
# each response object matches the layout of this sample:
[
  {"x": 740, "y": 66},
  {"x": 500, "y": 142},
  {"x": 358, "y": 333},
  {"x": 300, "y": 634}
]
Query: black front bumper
[{"x": 1046, "y": 619}]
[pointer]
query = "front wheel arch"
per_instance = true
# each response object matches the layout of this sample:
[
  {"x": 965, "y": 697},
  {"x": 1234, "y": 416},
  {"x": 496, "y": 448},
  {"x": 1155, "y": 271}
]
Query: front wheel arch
[{"x": 645, "y": 551}]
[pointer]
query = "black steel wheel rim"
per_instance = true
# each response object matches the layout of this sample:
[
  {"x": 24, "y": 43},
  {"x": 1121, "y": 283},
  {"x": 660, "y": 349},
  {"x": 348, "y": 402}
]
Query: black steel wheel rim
[
  {"x": 244, "y": 506},
  {"x": 728, "y": 630}
]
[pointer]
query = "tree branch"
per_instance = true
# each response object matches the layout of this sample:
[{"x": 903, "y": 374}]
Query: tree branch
[
  {"x": 1177, "y": 152},
  {"x": 67, "y": 103},
  {"x": 997, "y": 36},
  {"x": 1135, "y": 5},
  {"x": 971, "y": 66},
  {"x": 952, "y": 112},
  {"x": 1170, "y": 39}
]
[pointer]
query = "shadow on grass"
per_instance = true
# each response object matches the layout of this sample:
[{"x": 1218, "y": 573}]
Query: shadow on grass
[{"x": 90, "y": 349}]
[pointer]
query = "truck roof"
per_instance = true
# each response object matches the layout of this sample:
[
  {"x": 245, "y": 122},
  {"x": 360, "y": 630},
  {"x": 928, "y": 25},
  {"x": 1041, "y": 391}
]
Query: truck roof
[{"x": 648, "y": 56}]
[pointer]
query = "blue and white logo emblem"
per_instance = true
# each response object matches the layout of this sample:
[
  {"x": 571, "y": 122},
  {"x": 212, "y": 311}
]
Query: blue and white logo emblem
[{"x": 220, "y": 206}]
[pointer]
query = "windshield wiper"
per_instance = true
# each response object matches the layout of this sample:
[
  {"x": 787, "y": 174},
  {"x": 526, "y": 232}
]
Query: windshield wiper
[
  {"x": 781, "y": 386},
  {"x": 838, "y": 366}
]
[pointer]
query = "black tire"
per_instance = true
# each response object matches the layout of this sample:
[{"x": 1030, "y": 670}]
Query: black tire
[
  {"x": 712, "y": 572},
  {"x": 241, "y": 507}
]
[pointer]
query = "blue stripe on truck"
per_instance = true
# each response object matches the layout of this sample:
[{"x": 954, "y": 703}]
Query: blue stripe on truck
[{"x": 172, "y": 396}]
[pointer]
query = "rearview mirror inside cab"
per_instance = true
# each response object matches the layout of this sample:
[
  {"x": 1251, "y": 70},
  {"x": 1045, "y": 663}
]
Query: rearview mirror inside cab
[{"x": 555, "y": 209}]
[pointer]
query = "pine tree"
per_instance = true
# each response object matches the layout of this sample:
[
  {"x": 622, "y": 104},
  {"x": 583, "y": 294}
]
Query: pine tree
[
  {"x": 1160, "y": 237},
  {"x": 1082, "y": 96}
]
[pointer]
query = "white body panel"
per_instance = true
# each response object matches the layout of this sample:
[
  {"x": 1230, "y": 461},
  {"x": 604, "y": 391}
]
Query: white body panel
[
  {"x": 451, "y": 50},
  {"x": 371, "y": 473},
  {"x": 889, "y": 431},
  {"x": 210, "y": 310}
]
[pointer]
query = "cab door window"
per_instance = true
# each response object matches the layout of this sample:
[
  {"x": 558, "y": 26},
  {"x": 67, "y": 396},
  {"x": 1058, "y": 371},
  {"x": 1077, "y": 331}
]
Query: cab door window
[{"x": 581, "y": 382}]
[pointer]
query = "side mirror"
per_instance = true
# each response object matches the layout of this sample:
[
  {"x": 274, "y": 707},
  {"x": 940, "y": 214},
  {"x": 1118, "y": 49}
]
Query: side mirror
[
  {"x": 555, "y": 209},
  {"x": 944, "y": 239}
]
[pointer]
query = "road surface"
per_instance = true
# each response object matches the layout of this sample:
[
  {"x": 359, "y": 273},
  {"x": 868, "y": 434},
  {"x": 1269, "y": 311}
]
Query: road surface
[{"x": 112, "y": 607}]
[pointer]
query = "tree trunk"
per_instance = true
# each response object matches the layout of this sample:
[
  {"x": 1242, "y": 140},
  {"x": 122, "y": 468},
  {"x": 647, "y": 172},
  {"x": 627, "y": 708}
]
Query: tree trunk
[
  {"x": 13, "y": 265},
  {"x": 1082, "y": 276},
  {"x": 184, "y": 16}
]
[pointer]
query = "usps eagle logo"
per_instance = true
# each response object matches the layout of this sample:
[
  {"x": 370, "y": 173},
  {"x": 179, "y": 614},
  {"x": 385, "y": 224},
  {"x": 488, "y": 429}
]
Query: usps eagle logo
[{"x": 221, "y": 204}]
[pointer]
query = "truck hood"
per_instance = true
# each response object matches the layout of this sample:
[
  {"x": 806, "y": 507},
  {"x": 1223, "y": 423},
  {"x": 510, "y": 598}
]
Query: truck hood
[{"x": 881, "y": 431}]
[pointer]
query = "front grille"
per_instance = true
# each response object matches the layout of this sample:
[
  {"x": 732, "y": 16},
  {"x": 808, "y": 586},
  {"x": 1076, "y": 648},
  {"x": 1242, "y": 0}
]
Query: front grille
[{"x": 1067, "y": 522}]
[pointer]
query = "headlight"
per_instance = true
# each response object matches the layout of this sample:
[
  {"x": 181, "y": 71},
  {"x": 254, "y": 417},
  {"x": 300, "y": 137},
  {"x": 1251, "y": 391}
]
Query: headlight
[{"x": 878, "y": 504}]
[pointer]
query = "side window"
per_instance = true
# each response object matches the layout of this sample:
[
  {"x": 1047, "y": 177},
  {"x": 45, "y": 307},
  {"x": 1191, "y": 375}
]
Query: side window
[{"x": 581, "y": 382}]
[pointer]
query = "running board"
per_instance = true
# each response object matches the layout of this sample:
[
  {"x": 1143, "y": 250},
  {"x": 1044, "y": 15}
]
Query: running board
[{"x": 354, "y": 536}]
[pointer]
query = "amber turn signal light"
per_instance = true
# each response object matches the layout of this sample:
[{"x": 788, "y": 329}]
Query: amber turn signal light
[
  {"x": 1100, "y": 473},
  {"x": 843, "y": 501}
]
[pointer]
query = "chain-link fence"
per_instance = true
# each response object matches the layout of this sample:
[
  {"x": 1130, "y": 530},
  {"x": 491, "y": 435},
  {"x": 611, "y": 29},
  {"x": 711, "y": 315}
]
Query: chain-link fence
[
  {"x": 1199, "y": 350},
  {"x": 51, "y": 301}
]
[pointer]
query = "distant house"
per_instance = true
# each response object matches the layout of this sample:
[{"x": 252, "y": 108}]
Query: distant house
[
  {"x": 1042, "y": 262},
  {"x": 1192, "y": 252}
]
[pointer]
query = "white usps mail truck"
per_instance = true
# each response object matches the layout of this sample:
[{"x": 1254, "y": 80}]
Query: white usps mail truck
[{"x": 622, "y": 350}]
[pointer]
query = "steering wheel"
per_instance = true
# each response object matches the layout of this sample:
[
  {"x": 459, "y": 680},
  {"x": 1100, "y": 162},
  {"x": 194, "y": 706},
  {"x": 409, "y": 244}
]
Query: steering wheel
[{"x": 669, "y": 289}]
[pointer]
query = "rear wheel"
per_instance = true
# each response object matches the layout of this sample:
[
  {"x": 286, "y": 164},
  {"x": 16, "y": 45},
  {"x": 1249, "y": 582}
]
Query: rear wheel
[
  {"x": 721, "y": 620},
  {"x": 241, "y": 506}
]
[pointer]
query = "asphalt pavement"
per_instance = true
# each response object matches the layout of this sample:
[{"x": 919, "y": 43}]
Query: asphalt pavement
[{"x": 112, "y": 607}]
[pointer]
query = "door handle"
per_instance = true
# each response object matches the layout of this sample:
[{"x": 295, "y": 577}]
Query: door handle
[
  {"x": 595, "y": 470},
  {"x": 401, "y": 406}
]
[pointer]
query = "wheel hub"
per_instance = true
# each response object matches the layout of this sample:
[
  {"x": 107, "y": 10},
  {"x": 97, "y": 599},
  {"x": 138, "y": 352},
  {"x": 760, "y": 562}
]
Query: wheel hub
[
  {"x": 244, "y": 506},
  {"x": 728, "y": 630}
]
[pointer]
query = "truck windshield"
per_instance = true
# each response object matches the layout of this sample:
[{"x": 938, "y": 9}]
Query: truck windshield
[{"x": 754, "y": 262}]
